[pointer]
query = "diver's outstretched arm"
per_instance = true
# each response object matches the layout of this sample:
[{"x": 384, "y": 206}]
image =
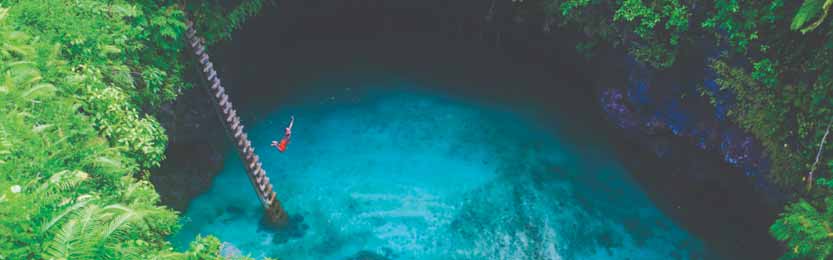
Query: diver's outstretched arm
[{"x": 291, "y": 121}]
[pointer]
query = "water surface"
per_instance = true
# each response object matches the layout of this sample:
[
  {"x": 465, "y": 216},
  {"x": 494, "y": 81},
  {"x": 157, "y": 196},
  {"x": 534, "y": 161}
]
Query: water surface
[{"x": 404, "y": 173}]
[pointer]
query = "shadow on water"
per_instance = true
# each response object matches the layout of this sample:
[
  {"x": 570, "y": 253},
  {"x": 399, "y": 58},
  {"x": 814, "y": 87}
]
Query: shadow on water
[{"x": 318, "y": 43}]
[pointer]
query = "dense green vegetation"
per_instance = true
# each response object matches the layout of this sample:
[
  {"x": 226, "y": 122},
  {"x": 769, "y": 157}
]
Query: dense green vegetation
[
  {"x": 79, "y": 81},
  {"x": 778, "y": 63}
]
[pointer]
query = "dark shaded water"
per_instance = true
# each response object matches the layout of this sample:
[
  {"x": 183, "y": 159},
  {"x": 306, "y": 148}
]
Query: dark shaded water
[{"x": 340, "y": 64}]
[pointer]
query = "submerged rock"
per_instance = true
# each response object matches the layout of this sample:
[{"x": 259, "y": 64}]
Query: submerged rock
[
  {"x": 229, "y": 251},
  {"x": 367, "y": 255}
]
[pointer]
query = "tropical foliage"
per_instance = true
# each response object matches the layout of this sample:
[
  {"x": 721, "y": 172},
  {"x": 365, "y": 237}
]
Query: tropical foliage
[
  {"x": 806, "y": 229},
  {"x": 79, "y": 81},
  {"x": 216, "y": 23},
  {"x": 776, "y": 61}
]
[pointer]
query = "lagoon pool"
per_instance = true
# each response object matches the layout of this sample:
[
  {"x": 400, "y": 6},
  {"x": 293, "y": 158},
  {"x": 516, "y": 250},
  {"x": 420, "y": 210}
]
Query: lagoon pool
[{"x": 404, "y": 173}]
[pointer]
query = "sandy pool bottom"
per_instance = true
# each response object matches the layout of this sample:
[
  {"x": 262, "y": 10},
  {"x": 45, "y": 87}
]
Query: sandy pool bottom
[{"x": 403, "y": 174}]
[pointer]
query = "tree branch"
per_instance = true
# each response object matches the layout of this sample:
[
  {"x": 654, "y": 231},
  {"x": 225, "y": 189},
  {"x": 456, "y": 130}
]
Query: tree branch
[{"x": 818, "y": 155}]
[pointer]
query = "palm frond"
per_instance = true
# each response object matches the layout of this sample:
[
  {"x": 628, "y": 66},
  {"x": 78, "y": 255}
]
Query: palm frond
[
  {"x": 72, "y": 209},
  {"x": 62, "y": 243},
  {"x": 124, "y": 216}
]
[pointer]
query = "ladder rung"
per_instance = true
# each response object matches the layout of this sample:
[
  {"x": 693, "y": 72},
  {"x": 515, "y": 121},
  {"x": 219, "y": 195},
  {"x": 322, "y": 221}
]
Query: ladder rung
[
  {"x": 272, "y": 201},
  {"x": 258, "y": 166},
  {"x": 231, "y": 116},
  {"x": 220, "y": 92},
  {"x": 208, "y": 66},
  {"x": 262, "y": 185},
  {"x": 223, "y": 100},
  {"x": 212, "y": 75}
]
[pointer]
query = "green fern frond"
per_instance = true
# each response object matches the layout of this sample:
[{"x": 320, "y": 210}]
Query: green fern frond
[
  {"x": 77, "y": 238},
  {"x": 62, "y": 243},
  {"x": 63, "y": 181},
  {"x": 123, "y": 217},
  {"x": 72, "y": 209}
]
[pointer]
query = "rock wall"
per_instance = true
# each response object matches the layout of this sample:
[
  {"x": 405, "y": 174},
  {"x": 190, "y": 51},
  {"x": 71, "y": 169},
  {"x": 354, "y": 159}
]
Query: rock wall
[
  {"x": 711, "y": 174},
  {"x": 196, "y": 148},
  {"x": 650, "y": 105}
]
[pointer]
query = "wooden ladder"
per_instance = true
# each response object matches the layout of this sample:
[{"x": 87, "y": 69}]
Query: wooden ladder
[{"x": 254, "y": 169}]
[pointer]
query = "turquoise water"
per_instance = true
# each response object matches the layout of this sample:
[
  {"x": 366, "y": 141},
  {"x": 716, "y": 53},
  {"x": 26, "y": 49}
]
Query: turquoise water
[{"x": 408, "y": 174}]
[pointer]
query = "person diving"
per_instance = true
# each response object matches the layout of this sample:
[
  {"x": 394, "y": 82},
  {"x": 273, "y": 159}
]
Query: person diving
[{"x": 281, "y": 146}]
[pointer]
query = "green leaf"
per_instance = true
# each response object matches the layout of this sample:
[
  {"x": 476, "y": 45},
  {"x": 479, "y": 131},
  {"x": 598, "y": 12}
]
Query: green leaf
[
  {"x": 809, "y": 10},
  {"x": 39, "y": 90},
  {"x": 110, "y": 49}
]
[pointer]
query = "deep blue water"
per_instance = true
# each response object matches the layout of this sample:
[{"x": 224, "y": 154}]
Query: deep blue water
[{"x": 408, "y": 173}]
